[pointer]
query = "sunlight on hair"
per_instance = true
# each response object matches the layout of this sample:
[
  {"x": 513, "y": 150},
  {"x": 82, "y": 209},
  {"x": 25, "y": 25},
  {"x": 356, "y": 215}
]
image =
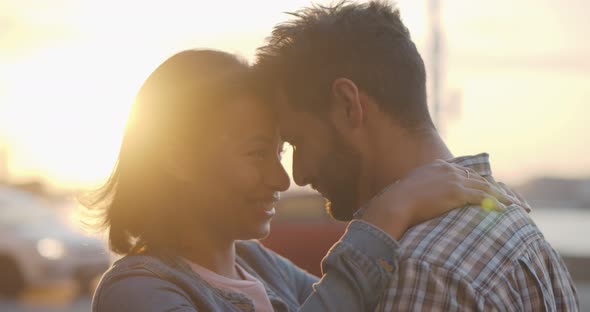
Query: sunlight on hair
[
  {"x": 67, "y": 78},
  {"x": 64, "y": 116}
]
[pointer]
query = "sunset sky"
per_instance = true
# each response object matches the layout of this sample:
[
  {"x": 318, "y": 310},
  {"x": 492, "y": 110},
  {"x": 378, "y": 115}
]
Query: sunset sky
[{"x": 519, "y": 72}]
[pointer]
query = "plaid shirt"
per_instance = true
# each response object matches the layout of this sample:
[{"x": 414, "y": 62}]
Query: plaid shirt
[{"x": 474, "y": 260}]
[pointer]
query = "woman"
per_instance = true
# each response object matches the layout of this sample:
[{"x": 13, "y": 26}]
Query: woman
[{"x": 197, "y": 175}]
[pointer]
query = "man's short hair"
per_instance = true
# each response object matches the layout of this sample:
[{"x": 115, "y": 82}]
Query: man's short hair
[{"x": 366, "y": 43}]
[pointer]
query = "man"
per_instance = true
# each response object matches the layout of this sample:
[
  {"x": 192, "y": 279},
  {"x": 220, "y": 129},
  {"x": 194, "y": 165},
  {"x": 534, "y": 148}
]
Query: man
[{"x": 352, "y": 102}]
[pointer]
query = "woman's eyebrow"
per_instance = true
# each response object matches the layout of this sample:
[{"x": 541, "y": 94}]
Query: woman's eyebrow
[{"x": 260, "y": 139}]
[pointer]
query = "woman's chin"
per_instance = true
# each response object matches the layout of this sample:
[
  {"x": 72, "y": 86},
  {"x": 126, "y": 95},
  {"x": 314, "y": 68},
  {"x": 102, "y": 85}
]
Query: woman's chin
[{"x": 261, "y": 231}]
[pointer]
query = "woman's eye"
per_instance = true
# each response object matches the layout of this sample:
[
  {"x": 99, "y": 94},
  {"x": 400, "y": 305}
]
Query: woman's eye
[{"x": 260, "y": 154}]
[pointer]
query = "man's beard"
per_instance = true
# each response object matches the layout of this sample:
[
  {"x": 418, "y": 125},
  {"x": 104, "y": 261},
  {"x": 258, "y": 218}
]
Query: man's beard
[{"x": 340, "y": 173}]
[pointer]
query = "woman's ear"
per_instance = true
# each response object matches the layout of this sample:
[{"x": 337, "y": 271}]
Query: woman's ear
[
  {"x": 178, "y": 163},
  {"x": 175, "y": 168},
  {"x": 346, "y": 103}
]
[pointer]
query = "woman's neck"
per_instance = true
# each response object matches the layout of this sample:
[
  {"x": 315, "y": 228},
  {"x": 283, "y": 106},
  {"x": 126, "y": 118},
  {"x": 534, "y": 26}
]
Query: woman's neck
[{"x": 218, "y": 256}]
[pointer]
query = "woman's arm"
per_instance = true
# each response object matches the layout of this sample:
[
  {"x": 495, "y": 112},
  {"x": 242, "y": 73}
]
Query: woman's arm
[
  {"x": 358, "y": 268},
  {"x": 430, "y": 191}
]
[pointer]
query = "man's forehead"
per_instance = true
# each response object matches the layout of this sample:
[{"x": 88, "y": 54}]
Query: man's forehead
[
  {"x": 284, "y": 107},
  {"x": 281, "y": 100},
  {"x": 293, "y": 122},
  {"x": 290, "y": 121},
  {"x": 287, "y": 127}
]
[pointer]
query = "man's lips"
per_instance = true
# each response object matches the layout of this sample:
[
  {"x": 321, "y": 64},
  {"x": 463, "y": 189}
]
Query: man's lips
[{"x": 320, "y": 190}]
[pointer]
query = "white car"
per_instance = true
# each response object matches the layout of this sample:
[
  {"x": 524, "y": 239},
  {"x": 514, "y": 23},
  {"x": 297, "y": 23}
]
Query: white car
[{"x": 37, "y": 248}]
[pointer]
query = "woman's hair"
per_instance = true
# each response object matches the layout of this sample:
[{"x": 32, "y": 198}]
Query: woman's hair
[{"x": 141, "y": 205}]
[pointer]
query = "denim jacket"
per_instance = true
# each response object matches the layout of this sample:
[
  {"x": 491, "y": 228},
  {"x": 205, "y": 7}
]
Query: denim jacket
[{"x": 356, "y": 272}]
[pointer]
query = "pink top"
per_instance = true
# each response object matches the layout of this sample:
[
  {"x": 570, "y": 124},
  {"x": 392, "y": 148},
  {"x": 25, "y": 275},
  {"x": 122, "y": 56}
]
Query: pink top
[{"x": 248, "y": 285}]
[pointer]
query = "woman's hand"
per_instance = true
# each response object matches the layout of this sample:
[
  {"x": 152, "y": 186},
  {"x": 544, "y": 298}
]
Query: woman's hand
[
  {"x": 516, "y": 196},
  {"x": 430, "y": 191}
]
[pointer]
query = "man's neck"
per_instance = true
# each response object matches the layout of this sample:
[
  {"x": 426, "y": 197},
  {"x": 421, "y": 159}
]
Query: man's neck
[{"x": 394, "y": 157}]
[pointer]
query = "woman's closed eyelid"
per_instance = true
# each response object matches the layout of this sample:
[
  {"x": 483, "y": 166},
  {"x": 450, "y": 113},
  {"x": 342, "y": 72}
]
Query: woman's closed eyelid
[
  {"x": 266, "y": 152},
  {"x": 260, "y": 152}
]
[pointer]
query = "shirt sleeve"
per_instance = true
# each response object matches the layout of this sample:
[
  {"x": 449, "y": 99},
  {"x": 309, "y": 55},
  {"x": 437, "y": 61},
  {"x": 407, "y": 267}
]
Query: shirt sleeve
[
  {"x": 300, "y": 280},
  {"x": 356, "y": 270}
]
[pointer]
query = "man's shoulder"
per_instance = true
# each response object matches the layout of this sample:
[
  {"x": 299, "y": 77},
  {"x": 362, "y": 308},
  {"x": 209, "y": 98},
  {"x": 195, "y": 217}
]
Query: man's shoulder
[{"x": 466, "y": 240}]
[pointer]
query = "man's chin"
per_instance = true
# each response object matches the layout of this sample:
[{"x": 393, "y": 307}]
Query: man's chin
[{"x": 339, "y": 212}]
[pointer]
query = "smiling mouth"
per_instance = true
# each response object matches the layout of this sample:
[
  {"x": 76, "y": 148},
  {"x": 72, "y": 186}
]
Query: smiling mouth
[
  {"x": 266, "y": 206},
  {"x": 265, "y": 210},
  {"x": 268, "y": 200},
  {"x": 270, "y": 212}
]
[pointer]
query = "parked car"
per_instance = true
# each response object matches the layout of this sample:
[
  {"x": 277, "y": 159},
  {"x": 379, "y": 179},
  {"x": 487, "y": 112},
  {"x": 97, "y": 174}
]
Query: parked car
[
  {"x": 302, "y": 230},
  {"x": 37, "y": 248}
]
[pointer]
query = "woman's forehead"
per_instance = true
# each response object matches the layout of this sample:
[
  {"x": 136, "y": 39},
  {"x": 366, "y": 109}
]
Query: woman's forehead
[{"x": 249, "y": 118}]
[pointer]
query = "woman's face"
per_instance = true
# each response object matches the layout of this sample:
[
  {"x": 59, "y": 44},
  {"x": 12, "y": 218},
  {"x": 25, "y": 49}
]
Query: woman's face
[{"x": 240, "y": 174}]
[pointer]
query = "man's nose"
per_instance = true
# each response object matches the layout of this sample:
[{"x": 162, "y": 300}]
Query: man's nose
[
  {"x": 279, "y": 179},
  {"x": 300, "y": 171}
]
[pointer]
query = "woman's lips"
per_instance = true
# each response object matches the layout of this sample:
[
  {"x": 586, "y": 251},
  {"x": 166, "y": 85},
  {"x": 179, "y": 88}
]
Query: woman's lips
[
  {"x": 270, "y": 212},
  {"x": 266, "y": 208}
]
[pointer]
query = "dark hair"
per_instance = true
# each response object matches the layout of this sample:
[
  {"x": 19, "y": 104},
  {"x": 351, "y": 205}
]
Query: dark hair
[
  {"x": 366, "y": 43},
  {"x": 141, "y": 205}
]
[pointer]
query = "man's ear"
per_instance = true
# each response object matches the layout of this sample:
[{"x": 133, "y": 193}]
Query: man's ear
[{"x": 346, "y": 102}]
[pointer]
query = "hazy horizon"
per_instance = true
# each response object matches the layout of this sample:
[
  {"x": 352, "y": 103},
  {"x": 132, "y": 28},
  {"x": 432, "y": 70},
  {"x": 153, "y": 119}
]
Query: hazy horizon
[{"x": 69, "y": 71}]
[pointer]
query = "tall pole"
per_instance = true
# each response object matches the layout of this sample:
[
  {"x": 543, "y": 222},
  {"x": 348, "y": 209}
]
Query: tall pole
[
  {"x": 3, "y": 163},
  {"x": 435, "y": 60}
]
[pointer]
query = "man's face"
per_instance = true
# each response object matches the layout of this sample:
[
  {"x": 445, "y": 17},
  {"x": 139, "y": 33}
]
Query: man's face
[{"x": 322, "y": 159}]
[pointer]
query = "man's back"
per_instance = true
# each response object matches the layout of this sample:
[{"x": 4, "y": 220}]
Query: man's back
[{"x": 472, "y": 259}]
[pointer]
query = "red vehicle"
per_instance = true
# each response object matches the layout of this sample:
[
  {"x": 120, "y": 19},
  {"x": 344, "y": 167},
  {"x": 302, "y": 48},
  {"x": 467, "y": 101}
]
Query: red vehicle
[{"x": 302, "y": 231}]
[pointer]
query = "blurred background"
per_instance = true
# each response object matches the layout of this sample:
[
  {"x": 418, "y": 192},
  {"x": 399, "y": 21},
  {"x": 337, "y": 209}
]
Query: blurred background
[{"x": 511, "y": 78}]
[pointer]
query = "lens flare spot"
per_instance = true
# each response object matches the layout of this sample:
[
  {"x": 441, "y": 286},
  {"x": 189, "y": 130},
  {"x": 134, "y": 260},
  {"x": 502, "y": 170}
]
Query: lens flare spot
[{"x": 488, "y": 204}]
